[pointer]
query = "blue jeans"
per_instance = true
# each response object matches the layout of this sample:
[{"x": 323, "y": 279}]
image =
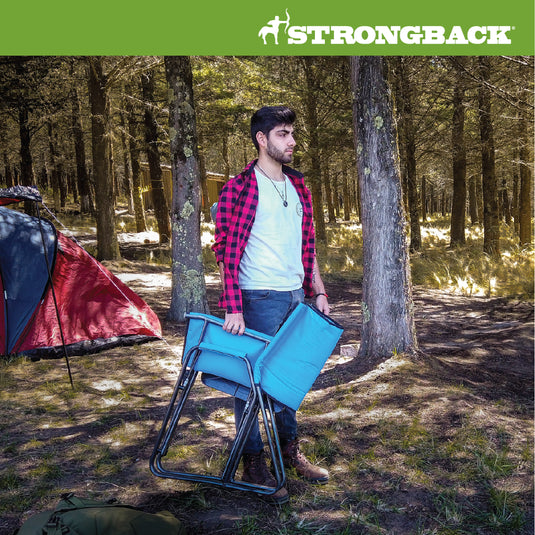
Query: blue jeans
[{"x": 265, "y": 311}]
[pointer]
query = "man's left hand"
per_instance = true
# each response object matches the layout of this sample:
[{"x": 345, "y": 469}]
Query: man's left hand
[{"x": 322, "y": 304}]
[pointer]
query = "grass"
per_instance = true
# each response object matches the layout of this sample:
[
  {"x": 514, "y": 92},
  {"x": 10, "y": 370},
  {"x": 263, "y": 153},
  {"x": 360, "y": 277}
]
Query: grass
[
  {"x": 393, "y": 473},
  {"x": 411, "y": 451},
  {"x": 463, "y": 270}
]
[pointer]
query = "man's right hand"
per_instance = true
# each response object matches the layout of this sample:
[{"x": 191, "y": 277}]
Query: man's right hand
[{"x": 234, "y": 323}]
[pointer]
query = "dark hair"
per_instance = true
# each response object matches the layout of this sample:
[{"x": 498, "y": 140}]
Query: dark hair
[{"x": 267, "y": 118}]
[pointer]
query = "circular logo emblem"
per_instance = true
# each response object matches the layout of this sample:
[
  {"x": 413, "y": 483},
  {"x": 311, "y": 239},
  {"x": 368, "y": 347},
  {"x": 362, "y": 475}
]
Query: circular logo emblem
[{"x": 299, "y": 209}]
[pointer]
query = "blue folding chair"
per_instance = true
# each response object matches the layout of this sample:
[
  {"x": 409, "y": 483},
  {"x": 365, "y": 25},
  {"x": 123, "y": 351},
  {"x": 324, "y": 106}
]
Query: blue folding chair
[{"x": 267, "y": 372}]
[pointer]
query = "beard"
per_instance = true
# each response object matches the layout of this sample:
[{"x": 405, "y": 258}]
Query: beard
[{"x": 278, "y": 155}]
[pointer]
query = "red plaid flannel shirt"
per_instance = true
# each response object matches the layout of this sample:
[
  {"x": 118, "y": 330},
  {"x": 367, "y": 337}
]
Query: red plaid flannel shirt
[{"x": 235, "y": 216}]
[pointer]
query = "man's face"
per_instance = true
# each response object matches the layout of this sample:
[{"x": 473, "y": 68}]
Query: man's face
[{"x": 280, "y": 143}]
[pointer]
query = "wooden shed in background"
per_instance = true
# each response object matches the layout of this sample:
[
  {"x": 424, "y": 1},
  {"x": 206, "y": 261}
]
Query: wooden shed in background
[{"x": 215, "y": 182}]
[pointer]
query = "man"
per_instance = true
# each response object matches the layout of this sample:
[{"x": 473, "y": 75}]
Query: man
[{"x": 264, "y": 246}]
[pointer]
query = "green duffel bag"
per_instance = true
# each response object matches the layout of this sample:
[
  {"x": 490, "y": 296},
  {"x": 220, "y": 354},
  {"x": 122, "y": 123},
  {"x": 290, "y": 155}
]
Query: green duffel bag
[{"x": 81, "y": 516}]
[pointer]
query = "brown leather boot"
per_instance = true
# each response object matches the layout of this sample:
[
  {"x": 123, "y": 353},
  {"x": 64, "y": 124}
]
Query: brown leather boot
[
  {"x": 255, "y": 471},
  {"x": 293, "y": 457}
]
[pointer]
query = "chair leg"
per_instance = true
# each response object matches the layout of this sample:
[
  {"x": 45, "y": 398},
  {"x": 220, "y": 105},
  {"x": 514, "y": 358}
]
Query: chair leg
[
  {"x": 183, "y": 386},
  {"x": 256, "y": 403},
  {"x": 244, "y": 428},
  {"x": 272, "y": 435}
]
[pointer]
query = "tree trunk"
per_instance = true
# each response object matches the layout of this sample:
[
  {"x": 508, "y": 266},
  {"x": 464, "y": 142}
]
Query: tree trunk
[
  {"x": 524, "y": 201},
  {"x": 127, "y": 179},
  {"x": 328, "y": 194},
  {"x": 82, "y": 177},
  {"x": 72, "y": 184},
  {"x": 54, "y": 171},
  {"x": 387, "y": 307},
  {"x": 345, "y": 189},
  {"x": 204, "y": 184},
  {"x": 26, "y": 162},
  {"x": 7, "y": 168},
  {"x": 161, "y": 210},
  {"x": 107, "y": 244},
  {"x": 458, "y": 145},
  {"x": 491, "y": 220},
  {"x": 472, "y": 200},
  {"x": 408, "y": 137},
  {"x": 133, "y": 148},
  {"x": 423, "y": 197},
  {"x": 336, "y": 194},
  {"x": 505, "y": 203},
  {"x": 224, "y": 154},
  {"x": 188, "y": 287},
  {"x": 314, "y": 152}
]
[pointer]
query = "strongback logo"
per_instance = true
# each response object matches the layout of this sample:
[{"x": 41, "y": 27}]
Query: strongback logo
[{"x": 382, "y": 35}]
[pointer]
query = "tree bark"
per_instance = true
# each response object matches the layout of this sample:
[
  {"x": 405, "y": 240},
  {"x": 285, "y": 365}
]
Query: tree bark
[
  {"x": 314, "y": 152},
  {"x": 133, "y": 148},
  {"x": 82, "y": 177},
  {"x": 491, "y": 218},
  {"x": 161, "y": 209},
  {"x": 188, "y": 287},
  {"x": 423, "y": 197},
  {"x": 345, "y": 189},
  {"x": 387, "y": 307},
  {"x": 525, "y": 210},
  {"x": 458, "y": 210},
  {"x": 204, "y": 184},
  {"x": 26, "y": 162},
  {"x": 127, "y": 178},
  {"x": 472, "y": 200},
  {"x": 515, "y": 204},
  {"x": 7, "y": 169},
  {"x": 408, "y": 139},
  {"x": 328, "y": 194},
  {"x": 54, "y": 167},
  {"x": 107, "y": 244}
]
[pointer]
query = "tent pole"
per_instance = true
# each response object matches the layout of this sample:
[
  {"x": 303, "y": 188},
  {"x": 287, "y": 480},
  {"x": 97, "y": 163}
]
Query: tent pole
[{"x": 54, "y": 297}]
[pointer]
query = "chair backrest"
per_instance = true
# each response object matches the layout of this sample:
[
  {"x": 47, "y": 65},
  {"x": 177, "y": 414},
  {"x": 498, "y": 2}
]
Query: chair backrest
[{"x": 293, "y": 360}]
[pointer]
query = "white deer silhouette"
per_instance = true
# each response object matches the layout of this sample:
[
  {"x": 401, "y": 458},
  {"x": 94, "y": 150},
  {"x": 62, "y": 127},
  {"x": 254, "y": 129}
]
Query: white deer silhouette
[{"x": 272, "y": 27}]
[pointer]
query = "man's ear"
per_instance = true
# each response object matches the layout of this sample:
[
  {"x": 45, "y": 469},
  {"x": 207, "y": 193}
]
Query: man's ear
[{"x": 261, "y": 138}]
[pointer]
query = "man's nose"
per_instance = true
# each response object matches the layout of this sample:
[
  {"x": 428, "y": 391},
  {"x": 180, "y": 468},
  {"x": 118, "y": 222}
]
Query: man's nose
[{"x": 292, "y": 142}]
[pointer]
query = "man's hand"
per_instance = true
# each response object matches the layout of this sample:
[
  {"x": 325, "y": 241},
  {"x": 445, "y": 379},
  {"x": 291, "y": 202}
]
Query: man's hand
[
  {"x": 322, "y": 304},
  {"x": 234, "y": 323}
]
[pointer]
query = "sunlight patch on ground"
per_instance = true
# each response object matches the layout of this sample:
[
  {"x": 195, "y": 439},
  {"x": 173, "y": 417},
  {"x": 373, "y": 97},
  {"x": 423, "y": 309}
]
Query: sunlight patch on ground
[
  {"x": 110, "y": 402},
  {"x": 381, "y": 413},
  {"x": 337, "y": 414},
  {"x": 161, "y": 280},
  {"x": 207, "y": 238},
  {"x": 138, "y": 237},
  {"x": 384, "y": 367},
  {"x": 107, "y": 384}
]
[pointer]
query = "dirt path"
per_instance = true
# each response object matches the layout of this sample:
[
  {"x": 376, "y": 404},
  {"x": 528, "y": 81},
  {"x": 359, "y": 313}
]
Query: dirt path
[
  {"x": 484, "y": 346},
  {"x": 478, "y": 375}
]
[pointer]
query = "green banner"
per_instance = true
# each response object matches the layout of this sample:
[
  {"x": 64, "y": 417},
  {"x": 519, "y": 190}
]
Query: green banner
[{"x": 118, "y": 27}]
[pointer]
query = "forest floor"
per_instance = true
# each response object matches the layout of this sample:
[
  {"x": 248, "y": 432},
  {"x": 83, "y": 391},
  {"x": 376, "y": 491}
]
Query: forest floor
[{"x": 442, "y": 444}]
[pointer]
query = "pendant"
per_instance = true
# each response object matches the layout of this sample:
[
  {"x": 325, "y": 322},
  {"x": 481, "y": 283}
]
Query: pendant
[{"x": 285, "y": 203}]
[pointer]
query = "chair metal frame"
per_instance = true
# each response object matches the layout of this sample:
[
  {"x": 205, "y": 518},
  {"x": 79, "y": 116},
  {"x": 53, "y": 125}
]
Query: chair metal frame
[{"x": 257, "y": 401}]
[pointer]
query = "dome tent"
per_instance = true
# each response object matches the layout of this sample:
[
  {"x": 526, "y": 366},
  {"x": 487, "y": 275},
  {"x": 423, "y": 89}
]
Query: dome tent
[{"x": 55, "y": 298}]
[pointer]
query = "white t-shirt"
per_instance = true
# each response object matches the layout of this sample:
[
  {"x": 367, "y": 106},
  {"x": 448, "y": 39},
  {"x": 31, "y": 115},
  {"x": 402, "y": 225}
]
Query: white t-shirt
[{"x": 272, "y": 257}]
